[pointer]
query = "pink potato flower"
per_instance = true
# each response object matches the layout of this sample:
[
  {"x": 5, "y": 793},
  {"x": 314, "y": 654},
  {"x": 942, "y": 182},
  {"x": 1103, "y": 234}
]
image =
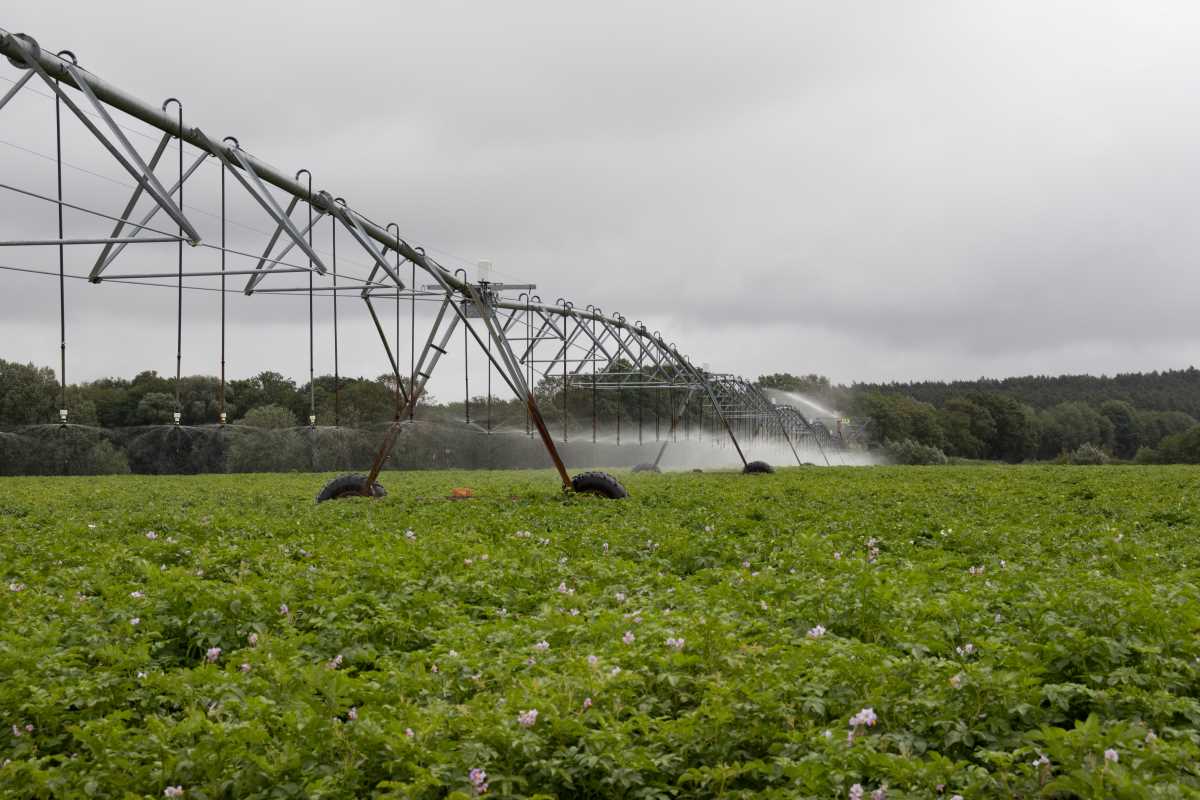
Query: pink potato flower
[{"x": 478, "y": 780}]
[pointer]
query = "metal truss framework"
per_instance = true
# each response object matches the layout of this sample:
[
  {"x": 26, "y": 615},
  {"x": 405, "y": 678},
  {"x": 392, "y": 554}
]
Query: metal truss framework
[{"x": 526, "y": 340}]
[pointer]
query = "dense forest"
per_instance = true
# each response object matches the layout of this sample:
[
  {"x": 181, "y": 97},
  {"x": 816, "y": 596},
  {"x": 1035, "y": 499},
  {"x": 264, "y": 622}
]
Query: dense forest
[
  {"x": 1145, "y": 417},
  {"x": 1172, "y": 390}
]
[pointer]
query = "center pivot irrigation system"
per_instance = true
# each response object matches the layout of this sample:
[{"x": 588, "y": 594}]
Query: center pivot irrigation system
[{"x": 524, "y": 338}]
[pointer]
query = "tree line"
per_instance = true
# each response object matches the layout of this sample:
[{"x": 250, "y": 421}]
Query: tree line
[
  {"x": 1144, "y": 417},
  {"x": 31, "y": 395},
  {"x": 274, "y": 424}
]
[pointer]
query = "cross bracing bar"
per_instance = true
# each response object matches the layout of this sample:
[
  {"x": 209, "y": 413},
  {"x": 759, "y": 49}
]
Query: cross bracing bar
[
  {"x": 101, "y": 261},
  {"x": 108, "y": 240},
  {"x": 16, "y": 87},
  {"x": 259, "y": 191},
  {"x": 206, "y": 274},
  {"x": 355, "y": 226},
  {"x": 387, "y": 347},
  {"x": 250, "y": 284},
  {"x": 130, "y": 159},
  {"x": 267, "y": 264},
  {"x": 109, "y": 254}
]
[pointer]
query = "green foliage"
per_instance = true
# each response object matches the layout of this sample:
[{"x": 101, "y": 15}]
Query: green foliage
[
  {"x": 266, "y": 388},
  {"x": 1068, "y": 426},
  {"x": 1017, "y": 433},
  {"x": 913, "y": 453},
  {"x": 156, "y": 408},
  {"x": 794, "y": 383},
  {"x": 1087, "y": 454},
  {"x": 103, "y": 458},
  {"x": 968, "y": 426},
  {"x": 64, "y": 450},
  {"x": 1154, "y": 426},
  {"x": 1182, "y": 448},
  {"x": 269, "y": 417},
  {"x": 897, "y": 418},
  {"x": 1145, "y": 455},
  {"x": 1123, "y": 418},
  {"x": 1169, "y": 390},
  {"x": 272, "y": 447},
  {"x": 985, "y": 419},
  {"x": 27, "y": 394},
  {"x": 361, "y": 402},
  {"x": 991, "y": 616}
]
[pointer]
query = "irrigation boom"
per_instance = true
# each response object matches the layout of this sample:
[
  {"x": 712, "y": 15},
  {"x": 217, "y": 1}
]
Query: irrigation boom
[{"x": 523, "y": 337}]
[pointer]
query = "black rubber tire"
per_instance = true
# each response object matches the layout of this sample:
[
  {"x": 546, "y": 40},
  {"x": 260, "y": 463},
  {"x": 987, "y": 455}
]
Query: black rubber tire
[
  {"x": 757, "y": 468},
  {"x": 600, "y": 483},
  {"x": 344, "y": 486},
  {"x": 646, "y": 468}
]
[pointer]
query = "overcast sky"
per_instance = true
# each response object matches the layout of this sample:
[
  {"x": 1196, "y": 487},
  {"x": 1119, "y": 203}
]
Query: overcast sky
[{"x": 865, "y": 190}]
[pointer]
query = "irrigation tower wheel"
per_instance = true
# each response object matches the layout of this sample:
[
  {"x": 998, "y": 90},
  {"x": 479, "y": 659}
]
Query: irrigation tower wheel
[
  {"x": 344, "y": 486},
  {"x": 600, "y": 483},
  {"x": 646, "y": 467},
  {"x": 757, "y": 468}
]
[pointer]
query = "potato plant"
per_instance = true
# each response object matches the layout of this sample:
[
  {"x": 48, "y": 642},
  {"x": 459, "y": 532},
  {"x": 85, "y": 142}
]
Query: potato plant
[{"x": 830, "y": 633}]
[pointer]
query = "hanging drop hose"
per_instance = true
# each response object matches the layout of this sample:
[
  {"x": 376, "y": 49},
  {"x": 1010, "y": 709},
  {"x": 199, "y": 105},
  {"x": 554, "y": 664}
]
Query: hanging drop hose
[
  {"x": 312, "y": 389},
  {"x": 337, "y": 381},
  {"x": 564, "y": 303},
  {"x": 620, "y": 390},
  {"x": 412, "y": 337},
  {"x": 312, "y": 386},
  {"x": 223, "y": 418},
  {"x": 221, "y": 392},
  {"x": 337, "y": 376},
  {"x": 179, "y": 288},
  {"x": 489, "y": 385},
  {"x": 397, "y": 328},
  {"x": 658, "y": 408},
  {"x": 595, "y": 312},
  {"x": 641, "y": 392},
  {"x": 528, "y": 344},
  {"x": 466, "y": 364},
  {"x": 62, "y": 291},
  {"x": 396, "y": 416}
]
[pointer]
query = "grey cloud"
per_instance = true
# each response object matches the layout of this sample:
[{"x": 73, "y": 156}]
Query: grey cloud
[{"x": 857, "y": 189}]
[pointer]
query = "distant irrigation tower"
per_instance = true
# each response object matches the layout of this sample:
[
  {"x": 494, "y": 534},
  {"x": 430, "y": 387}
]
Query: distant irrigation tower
[{"x": 580, "y": 349}]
